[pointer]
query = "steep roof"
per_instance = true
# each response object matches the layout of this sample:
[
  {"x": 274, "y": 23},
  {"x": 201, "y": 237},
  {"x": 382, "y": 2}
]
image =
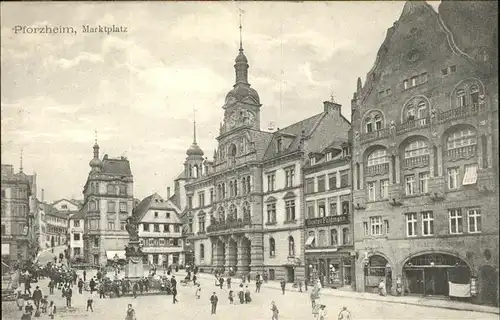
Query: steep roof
[
  {"x": 295, "y": 130},
  {"x": 70, "y": 201},
  {"x": 78, "y": 215},
  {"x": 118, "y": 167},
  {"x": 142, "y": 208},
  {"x": 52, "y": 211}
]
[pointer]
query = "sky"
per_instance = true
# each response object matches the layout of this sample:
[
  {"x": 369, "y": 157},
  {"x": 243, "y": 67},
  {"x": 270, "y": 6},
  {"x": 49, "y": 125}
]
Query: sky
[{"x": 139, "y": 88}]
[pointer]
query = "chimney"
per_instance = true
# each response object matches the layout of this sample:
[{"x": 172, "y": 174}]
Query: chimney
[
  {"x": 168, "y": 193},
  {"x": 331, "y": 107},
  {"x": 43, "y": 195}
]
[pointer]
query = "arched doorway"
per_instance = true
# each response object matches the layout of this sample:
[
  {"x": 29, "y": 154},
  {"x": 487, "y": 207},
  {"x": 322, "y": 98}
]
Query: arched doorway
[
  {"x": 377, "y": 269},
  {"x": 437, "y": 274},
  {"x": 233, "y": 253},
  {"x": 246, "y": 258}
]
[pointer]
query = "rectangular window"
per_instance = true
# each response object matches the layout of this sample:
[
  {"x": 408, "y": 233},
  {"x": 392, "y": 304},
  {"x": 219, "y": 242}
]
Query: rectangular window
[
  {"x": 166, "y": 228},
  {"x": 470, "y": 175},
  {"x": 345, "y": 207},
  {"x": 123, "y": 207},
  {"x": 453, "y": 178},
  {"x": 162, "y": 242},
  {"x": 444, "y": 71},
  {"x": 156, "y": 214},
  {"x": 329, "y": 156},
  {"x": 76, "y": 223},
  {"x": 411, "y": 224},
  {"x": 427, "y": 223},
  {"x": 156, "y": 227},
  {"x": 96, "y": 242},
  {"x": 122, "y": 225},
  {"x": 76, "y": 236},
  {"x": 201, "y": 199},
  {"x": 212, "y": 196},
  {"x": 289, "y": 176},
  {"x": 310, "y": 209},
  {"x": 424, "y": 182},
  {"x": 77, "y": 251},
  {"x": 344, "y": 179},
  {"x": 332, "y": 181},
  {"x": 201, "y": 224},
  {"x": 410, "y": 185},
  {"x": 405, "y": 84},
  {"x": 376, "y": 226},
  {"x": 271, "y": 181},
  {"x": 365, "y": 229},
  {"x": 145, "y": 227},
  {"x": 312, "y": 161},
  {"x": 413, "y": 81},
  {"x": 111, "y": 206},
  {"x": 333, "y": 206},
  {"x": 168, "y": 215},
  {"x": 190, "y": 202},
  {"x": 384, "y": 189},
  {"x": 177, "y": 228},
  {"x": 321, "y": 209},
  {"x": 151, "y": 242},
  {"x": 271, "y": 213},
  {"x": 371, "y": 191},
  {"x": 474, "y": 217},
  {"x": 321, "y": 183},
  {"x": 453, "y": 69},
  {"x": 290, "y": 210},
  {"x": 456, "y": 221},
  {"x": 310, "y": 185},
  {"x": 386, "y": 226}
]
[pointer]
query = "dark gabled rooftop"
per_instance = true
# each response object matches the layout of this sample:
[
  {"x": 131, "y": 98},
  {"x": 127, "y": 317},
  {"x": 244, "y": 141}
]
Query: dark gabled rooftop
[{"x": 117, "y": 167}]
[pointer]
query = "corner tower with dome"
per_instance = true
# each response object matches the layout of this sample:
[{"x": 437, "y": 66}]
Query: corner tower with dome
[{"x": 108, "y": 201}]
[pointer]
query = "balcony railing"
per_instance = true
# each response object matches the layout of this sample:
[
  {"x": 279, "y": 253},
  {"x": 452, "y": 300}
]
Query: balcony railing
[
  {"x": 378, "y": 134},
  {"x": 327, "y": 221},
  {"x": 228, "y": 224},
  {"x": 416, "y": 162},
  {"x": 411, "y": 125},
  {"x": 458, "y": 113},
  {"x": 378, "y": 169},
  {"x": 462, "y": 152}
]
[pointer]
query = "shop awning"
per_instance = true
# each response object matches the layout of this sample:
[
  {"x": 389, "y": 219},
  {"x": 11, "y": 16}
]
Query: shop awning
[
  {"x": 5, "y": 249},
  {"x": 120, "y": 254},
  {"x": 310, "y": 240}
]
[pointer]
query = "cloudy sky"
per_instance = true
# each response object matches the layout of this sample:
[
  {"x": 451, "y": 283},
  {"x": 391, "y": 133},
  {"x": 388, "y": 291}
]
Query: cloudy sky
[{"x": 138, "y": 89}]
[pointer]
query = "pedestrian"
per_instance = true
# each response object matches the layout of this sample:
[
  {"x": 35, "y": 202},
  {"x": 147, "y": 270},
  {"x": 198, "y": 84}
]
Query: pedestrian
[
  {"x": 248, "y": 299},
  {"x": 84, "y": 276},
  {"x": 258, "y": 283},
  {"x": 90, "y": 301},
  {"x": 213, "y": 302},
  {"x": 305, "y": 284},
  {"x": 52, "y": 309},
  {"x": 381, "y": 288},
  {"x": 44, "y": 304},
  {"x": 28, "y": 311},
  {"x": 92, "y": 285},
  {"x": 231, "y": 297},
  {"x": 80, "y": 286},
  {"x": 241, "y": 294},
  {"x": 221, "y": 282},
  {"x": 344, "y": 314},
  {"x": 135, "y": 288},
  {"x": 198, "y": 291},
  {"x": 194, "y": 278},
  {"x": 248, "y": 277},
  {"x": 228, "y": 281},
  {"x": 322, "y": 312},
  {"x": 275, "y": 311},
  {"x": 51, "y": 286},
  {"x": 130, "y": 313},
  {"x": 283, "y": 283},
  {"x": 69, "y": 295},
  {"x": 20, "y": 299},
  {"x": 37, "y": 297},
  {"x": 27, "y": 286},
  {"x": 174, "y": 295}
]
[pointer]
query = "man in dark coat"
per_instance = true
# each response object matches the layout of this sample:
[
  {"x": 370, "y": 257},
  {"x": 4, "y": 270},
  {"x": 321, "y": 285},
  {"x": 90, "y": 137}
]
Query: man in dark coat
[
  {"x": 213, "y": 302},
  {"x": 80, "y": 286},
  {"x": 69, "y": 295},
  {"x": 173, "y": 282},
  {"x": 37, "y": 296}
]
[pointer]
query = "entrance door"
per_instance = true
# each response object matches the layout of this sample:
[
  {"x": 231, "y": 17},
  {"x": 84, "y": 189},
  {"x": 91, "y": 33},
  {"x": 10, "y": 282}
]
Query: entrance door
[
  {"x": 415, "y": 281},
  {"x": 436, "y": 281},
  {"x": 290, "y": 274}
]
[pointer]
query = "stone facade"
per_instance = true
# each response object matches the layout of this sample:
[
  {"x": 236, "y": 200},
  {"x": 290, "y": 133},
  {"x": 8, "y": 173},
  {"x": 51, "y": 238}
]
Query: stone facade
[{"x": 425, "y": 160}]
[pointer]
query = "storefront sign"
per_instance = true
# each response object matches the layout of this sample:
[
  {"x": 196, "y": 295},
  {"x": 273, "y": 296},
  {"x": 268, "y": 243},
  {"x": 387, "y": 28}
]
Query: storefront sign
[{"x": 325, "y": 221}]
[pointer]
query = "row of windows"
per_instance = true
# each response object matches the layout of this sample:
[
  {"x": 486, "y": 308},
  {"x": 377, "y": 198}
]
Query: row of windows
[
  {"x": 332, "y": 179},
  {"x": 157, "y": 215},
  {"x": 111, "y": 225},
  {"x": 334, "y": 238},
  {"x": 346, "y": 151},
  {"x": 289, "y": 179},
  {"x": 155, "y": 227},
  {"x": 289, "y": 210},
  {"x": 155, "y": 242},
  {"x": 333, "y": 207},
  {"x": 415, "y": 80},
  {"x": 291, "y": 247},
  {"x": 233, "y": 212},
  {"x": 111, "y": 206},
  {"x": 222, "y": 188}
]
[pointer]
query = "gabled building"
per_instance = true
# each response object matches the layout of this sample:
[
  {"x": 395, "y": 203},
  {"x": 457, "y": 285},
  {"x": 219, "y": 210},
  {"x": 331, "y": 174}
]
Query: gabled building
[
  {"x": 65, "y": 205},
  {"x": 56, "y": 226},
  {"x": 75, "y": 232},
  {"x": 425, "y": 155},
  {"x": 108, "y": 202},
  {"x": 160, "y": 231}
]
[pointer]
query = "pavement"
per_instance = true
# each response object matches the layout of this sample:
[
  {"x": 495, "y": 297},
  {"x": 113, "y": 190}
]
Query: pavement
[
  {"x": 409, "y": 300},
  {"x": 292, "y": 305}
]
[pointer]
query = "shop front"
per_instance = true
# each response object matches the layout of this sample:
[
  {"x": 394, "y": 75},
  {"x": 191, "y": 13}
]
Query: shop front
[
  {"x": 333, "y": 267},
  {"x": 377, "y": 269}
]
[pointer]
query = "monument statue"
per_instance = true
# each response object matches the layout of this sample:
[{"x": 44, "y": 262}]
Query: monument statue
[
  {"x": 133, "y": 252},
  {"x": 132, "y": 230}
]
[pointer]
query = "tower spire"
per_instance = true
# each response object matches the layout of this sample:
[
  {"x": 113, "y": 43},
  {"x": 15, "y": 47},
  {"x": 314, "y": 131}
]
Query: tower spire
[
  {"x": 241, "y": 66},
  {"x": 96, "y": 146},
  {"x": 241, "y": 33},
  {"x": 21, "y": 162},
  {"x": 194, "y": 126}
]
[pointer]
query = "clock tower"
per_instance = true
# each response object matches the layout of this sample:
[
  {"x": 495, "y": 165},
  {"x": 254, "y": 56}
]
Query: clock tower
[{"x": 242, "y": 104}]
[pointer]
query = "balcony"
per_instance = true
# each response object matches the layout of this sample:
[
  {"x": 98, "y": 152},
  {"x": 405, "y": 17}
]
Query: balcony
[
  {"x": 327, "y": 221},
  {"x": 228, "y": 225},
  {"x": 416, "y": 162},
  {"x": 458, "y": 113},
  {"x": 378, "y": 169},
  {"x": 461, "y": 153},
  {"x": 375, "y": 135},
  {"x": 411, "y": 125}
]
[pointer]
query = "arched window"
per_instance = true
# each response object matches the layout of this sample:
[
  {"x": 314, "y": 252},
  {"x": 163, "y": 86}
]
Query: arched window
[
  {"x": 368, "y": 125},
  {"x": 111, "y": 189},
  {"x": 232, "y": 150},
  {"x": 231, "y": 192},
  {"x": 346, "y": 237},
  {"x": 422, "y": 110},
  {"x": 378, "y": 122},
  {"x": 219, "y": 191},
  {"x": 272, "y": 247},
  {"x": 410, "y": 112},
  {"x": 291, "y": 247},
  {"x": 461, "y": 138},
  {"x": 474, "y": 95},
  {"x": 322, "y": 238},
  {"x": 246, "y": 211},
  {"x": 202, "y": 251},
  {"x": 195, "y": 171},
  {"x": 222, "y": 216},
  {"x": 248, "y": 185},
  {"x": 233, "y": 212},
  {"x": 334, "y": 237},
  {"x": 461, "y": 98},
  {"x": 378, "y": 156},
  {"x": 235, "y": 186},
  {"x": 417, "y": 148}
]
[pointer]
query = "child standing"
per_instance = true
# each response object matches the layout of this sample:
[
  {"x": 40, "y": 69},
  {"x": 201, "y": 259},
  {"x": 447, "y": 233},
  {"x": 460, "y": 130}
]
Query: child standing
[
  {"x": 275, "y": 311},
  {"x": 198, "y": 291},
  {"x": 231, "y": 297},
  {"x": 90, "y": 300},
  {"x": 322, "y": 312},
  {"x": 344, "y": 314}
]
